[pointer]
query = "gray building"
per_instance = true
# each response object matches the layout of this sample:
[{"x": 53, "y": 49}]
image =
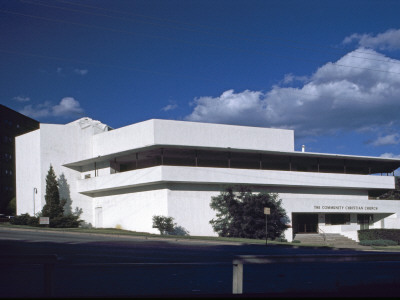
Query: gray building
[{"x": 12, "y": 124}]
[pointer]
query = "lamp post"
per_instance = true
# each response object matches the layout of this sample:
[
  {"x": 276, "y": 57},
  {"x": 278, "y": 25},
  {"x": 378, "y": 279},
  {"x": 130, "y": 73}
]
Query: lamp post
[{"x": 34, "y": 192}]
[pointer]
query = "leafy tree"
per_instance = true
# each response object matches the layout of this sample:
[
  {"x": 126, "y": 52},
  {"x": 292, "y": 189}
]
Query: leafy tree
[
  {"x": 392, "y": 194},
  {"x": 12, "y": 207},
  {"x": 240, "y": 213},
  {"x": 53, "y": 207}
]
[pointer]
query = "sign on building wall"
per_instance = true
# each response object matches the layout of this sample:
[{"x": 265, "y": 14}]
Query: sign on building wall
[{"x": 347, "y": 208}]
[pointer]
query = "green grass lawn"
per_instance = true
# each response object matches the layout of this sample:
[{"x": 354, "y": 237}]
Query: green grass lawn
[{"x": 121, "y": 232}]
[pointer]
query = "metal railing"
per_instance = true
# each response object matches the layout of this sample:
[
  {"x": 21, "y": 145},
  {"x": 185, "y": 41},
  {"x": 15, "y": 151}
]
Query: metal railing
[
  {"x": 239, "y": 261},
  {"x": 320, "y": 231}
]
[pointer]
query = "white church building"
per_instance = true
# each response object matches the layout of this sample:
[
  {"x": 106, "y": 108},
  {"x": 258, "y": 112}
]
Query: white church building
[{"x": 123, "y": 177}]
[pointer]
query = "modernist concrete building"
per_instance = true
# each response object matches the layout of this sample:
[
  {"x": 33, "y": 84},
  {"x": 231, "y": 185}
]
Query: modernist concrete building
[{"x": 123, "y": 177}]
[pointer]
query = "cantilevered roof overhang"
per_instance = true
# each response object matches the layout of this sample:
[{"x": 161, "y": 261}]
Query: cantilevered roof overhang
[{"x": 378, "y": 164}]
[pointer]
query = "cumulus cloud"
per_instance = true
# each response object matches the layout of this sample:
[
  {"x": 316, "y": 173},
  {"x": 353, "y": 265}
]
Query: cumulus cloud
[
  {"x": 22, "y": 99},
  {"x": 391, "y": 139},
  {"x": 67, "y": 107},
  {"x": 389, "y": 40},
  {"x": 334, "y": 98}
]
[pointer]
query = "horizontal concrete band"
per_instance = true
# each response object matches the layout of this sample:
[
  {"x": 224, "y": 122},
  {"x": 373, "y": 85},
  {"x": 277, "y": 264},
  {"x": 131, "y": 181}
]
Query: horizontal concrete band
[{"x": 202, "y": 175}]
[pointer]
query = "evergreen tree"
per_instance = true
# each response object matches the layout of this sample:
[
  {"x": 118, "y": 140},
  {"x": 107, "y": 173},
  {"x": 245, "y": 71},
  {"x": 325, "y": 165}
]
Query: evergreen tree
[{"x": 53, "y": 207}]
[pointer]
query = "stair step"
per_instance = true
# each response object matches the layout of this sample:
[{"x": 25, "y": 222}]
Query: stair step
[{"x": 335, "y": 239}]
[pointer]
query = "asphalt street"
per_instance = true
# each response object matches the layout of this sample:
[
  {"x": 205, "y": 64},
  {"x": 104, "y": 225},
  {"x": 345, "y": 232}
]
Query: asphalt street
[{"x": 115, "y": 266}]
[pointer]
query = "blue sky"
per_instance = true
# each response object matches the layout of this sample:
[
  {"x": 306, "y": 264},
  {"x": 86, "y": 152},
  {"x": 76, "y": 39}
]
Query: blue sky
[{"x": 330, "y": 70}]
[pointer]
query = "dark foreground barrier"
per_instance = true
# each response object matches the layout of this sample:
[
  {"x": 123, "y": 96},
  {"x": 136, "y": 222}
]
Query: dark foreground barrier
[
  {"x": 48, "y": 262},
  {"x": 239, "y": 261}
]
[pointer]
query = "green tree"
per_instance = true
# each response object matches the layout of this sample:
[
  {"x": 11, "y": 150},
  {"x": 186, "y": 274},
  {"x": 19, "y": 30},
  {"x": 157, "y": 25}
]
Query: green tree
[
  {"x": 392, "y": 194},
  {"x": 12, "y": 207},
  {"x": 240, "y": 213},
  {"x": 53, "y": 207}
]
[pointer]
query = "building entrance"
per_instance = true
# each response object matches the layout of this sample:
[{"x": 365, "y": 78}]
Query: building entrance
[
  {"x": 305, "y": 223},
  {"x": 364, "y": 220}
]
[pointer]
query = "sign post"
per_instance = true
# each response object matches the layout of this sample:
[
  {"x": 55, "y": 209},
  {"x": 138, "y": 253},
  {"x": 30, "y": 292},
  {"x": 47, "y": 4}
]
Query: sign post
[{"x": 267, "y": 211}]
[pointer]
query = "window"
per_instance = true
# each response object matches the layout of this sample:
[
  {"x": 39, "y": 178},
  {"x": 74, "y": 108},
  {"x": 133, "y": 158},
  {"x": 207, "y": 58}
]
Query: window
[{"x": 337, "y": 219}]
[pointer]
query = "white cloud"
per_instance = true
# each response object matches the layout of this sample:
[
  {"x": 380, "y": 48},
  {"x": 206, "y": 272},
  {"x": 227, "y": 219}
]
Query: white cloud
[
  {"x": 289, "y": 78},
  {"x": 334, "y": 98},
  {"x": 39, "y": 111},
  {"x": 22, "y": 99},
  {"x": 67, "y": 107},
  {"x": 389, "y": 40},
  {"x": 81, "y": 72},
  {"x": 390, "y": 155},
  {"x": 169, "y": 107},
  {"x": 391, "y": 139}
]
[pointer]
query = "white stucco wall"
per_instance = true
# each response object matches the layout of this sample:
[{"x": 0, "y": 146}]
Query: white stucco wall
[
  {"x": 168, "y": 132},
  {"x": 189, "y": 205},
  {"x": 134, "y": 209},
  {"x": 28, "y": 177},
  {"x": 52, "y": 144},
  {"x": 123, "y": 139},
  {"x": 60, "y": 144}
]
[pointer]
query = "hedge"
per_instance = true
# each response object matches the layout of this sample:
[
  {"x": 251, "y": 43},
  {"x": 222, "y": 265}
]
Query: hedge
[
  {"x": 378, "y": 243},
  {"x": 379, "y": 234},
  {"x": 70, "y": 221}
]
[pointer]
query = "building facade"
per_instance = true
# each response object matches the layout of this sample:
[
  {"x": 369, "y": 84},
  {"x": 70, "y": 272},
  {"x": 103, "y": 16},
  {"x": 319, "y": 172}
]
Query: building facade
[
  {"x": 123, "y": 177},
  {"x": 12, "y": 124}
]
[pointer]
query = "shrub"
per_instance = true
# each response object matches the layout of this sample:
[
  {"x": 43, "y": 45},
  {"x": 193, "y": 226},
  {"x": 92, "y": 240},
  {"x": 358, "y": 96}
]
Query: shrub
[
  {"x": 379, "y": 234},
  {"x": 378, "y": 243},
  {"x": 281, "y": 239},
  {"x": 179, "y": 230},
  {"x": 25, "y": 219},
  {"x": 296, "y": 241},
  {"x": 164, "y": 224},
  {"x": 70, "y": 221}
]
